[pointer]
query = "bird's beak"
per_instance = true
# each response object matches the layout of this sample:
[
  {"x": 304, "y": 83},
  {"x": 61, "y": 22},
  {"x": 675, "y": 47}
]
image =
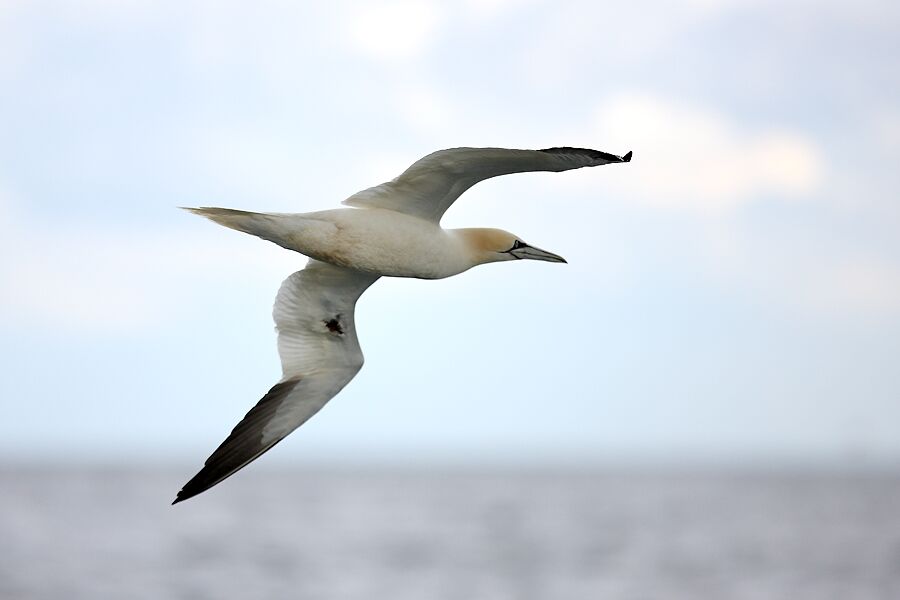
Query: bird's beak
[{"x": 532, "y": 253}]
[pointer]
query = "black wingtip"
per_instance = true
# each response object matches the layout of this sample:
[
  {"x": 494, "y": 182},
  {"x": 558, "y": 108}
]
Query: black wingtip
[
  {"x": 599, "y": 155},
  {"x": 189, "y": 490},
  {"x": 242, "y": 446},
  {"x": 187, "y": 494}
]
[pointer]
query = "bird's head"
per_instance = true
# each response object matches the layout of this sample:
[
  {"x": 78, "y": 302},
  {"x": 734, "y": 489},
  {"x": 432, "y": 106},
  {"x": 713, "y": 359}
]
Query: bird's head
[{"x": 495, "y": 245}]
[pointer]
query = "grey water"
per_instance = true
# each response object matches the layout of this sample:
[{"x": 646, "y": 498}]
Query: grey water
[{"x": 73, "y": 533}]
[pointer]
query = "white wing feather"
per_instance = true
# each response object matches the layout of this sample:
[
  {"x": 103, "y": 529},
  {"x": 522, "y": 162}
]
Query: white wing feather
[
  {"x": 320, "y": 354},
  {"x": 428, "y": 187}
]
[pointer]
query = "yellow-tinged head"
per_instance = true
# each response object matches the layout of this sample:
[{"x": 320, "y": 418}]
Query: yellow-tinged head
[{"x": 495, "y": 245}]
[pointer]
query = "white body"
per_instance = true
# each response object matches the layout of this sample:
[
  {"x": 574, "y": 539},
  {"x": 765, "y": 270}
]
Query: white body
[{"x": 378, "y": 241}]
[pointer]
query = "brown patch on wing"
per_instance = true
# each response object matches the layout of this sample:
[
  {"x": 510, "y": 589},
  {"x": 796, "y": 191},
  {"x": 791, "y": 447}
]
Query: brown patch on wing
[{"x": 243, "y": 446}]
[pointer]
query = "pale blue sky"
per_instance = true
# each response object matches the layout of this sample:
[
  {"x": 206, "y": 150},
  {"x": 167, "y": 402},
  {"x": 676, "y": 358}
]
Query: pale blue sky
[{"x": 733, "y": 294}]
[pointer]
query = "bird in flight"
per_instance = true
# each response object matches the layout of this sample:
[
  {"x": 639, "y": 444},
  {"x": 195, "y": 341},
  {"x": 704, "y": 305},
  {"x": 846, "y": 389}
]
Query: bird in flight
[{"x": 392, "y": 230}]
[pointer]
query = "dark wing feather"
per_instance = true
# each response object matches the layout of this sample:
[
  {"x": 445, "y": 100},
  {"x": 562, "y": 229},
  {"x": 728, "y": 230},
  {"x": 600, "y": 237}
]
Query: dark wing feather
[{"x": 245, "y": 444}]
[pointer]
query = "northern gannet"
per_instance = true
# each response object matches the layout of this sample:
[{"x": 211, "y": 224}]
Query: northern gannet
[{"x": 392, "y": 230}]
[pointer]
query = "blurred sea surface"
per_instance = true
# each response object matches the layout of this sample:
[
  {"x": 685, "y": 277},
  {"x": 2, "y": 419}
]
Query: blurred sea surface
[{"x": 95, "y": 533}]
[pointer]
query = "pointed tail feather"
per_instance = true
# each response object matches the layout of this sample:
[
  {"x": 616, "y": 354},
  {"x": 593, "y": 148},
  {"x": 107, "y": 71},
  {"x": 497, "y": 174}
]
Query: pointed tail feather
[
  {"x": 272, "y": 227},
  {"x": 241, "y": 220}
]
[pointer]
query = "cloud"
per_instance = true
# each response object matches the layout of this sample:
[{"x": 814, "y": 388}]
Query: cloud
[
  {"x": 394, "y": 30},
  {"x": 251, "y": 161},
  {"x": 885, "y": 129},
  {"x": 425, "y": 110},
  {"x": 578, "y": 38},
  {"x": 695, "y": 158},
  {"x": 487, "y": 10},
  {"x": 15, "y": 49},
  {"x": 800, "y": 271},
  {"x": 85, "y": 278},
  {"x": 871, "y": 286}
]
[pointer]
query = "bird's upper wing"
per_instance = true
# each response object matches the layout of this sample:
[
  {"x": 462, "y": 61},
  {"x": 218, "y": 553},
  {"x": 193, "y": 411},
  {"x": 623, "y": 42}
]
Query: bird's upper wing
[
  {"x": 428, "y": 188},
  {"x": 319, "y": 353}
]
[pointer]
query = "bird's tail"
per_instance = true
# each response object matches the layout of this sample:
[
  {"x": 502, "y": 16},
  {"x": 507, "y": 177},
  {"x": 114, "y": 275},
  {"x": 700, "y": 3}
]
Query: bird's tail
[{"x": 267, "y": 226}]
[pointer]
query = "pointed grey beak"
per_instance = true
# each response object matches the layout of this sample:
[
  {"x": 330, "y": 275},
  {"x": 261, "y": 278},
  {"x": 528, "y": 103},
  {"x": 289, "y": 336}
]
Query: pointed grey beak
[{"x": 532, "y": 253}]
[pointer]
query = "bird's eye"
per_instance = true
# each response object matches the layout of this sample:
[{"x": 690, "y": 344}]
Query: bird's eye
[{"x": 516, "y": 245}]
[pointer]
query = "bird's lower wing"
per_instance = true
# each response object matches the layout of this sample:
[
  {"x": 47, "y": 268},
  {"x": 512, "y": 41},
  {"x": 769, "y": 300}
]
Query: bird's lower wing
[
  {"x": 246, "y": 443},
  {"x": 428, "y": 187},
  {"x": 320, "y": 354}
]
